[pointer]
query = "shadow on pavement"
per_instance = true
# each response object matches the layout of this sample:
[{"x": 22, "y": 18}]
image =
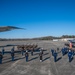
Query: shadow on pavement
[
  {"x": 33, "y": 58},
  {"x": 46, "y": 58},
  {"x": 59, "y": 59},
  {"x": 6, "y": 58},
  {"x": 6, "y": 61},
  {"x": 19, "y": 58},
  {"x": 36, "y": 54},
  {"x": 46, "y": 54}
]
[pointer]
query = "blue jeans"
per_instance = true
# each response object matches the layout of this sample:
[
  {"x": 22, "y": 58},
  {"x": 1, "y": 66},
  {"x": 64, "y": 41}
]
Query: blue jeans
[
  {"x": 52, "y": 52},
  {"x": 0, "y": 61},
  {"x": 12, "y": 58},
  {"x": 2, "y": 52},
  {"x": 22, "y": 52},
  {"x": 26, "y": 58},
  {"x": 70, "y": 58},
  {"x": 32, "y": 53},
  {"x": 55, "y": 58}
]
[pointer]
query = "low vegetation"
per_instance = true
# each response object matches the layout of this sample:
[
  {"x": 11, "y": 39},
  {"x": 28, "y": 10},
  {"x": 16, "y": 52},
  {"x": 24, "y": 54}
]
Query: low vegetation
[{"x": 39, "y": 38}]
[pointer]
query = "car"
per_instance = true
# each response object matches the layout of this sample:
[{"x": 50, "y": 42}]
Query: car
[{"x": 68, "y": 43}]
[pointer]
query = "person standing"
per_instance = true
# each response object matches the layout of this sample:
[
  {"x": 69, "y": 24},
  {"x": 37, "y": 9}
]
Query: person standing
[
  {"x": 1, "y": 57},
  {"x": 22, "y": 51},
  {"x": 70, "y": 45},
  {"x": 70, "y": 55},
  {"x": 55, "y": 56},
  {"x": 63, "y": 51},
  {"x": 12, "y": 49},
  {"x": 3, "y": 51},
  {"x": 52, "y": 51},
  {"x": 32, "y": 52},
  {"x": 40, "y": 55},
  {"x": 12, "y": 55},
  {"x": 26, "y": 55},
  {"x": 57, "y": 48},
  {"x": 42, "y": 50}
]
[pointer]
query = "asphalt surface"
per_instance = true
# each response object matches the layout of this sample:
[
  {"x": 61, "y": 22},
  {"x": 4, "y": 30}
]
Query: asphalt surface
[{"x": 34, "y": 66}]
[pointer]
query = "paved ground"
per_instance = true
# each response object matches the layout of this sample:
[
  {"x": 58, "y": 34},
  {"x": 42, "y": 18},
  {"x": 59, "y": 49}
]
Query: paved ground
[{"x": 34, "y": 66}]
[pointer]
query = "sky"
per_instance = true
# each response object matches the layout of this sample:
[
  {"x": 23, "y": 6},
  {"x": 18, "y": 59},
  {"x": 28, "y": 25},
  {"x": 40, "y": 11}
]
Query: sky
[{"x": 39, "y": 18}]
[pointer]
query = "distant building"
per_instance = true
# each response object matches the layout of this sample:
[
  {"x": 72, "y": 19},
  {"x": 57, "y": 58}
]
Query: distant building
[
  {"x": 67, "y": 39},
  {"x": 63, "y": 39},
  {"x": 55, "y": 39}
]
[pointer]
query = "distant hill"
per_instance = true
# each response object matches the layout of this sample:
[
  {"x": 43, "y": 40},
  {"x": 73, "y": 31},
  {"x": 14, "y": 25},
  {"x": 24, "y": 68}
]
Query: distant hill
[
  {"x": 52, "y": 37},
  {"x": 46, "y": 38},
  {"x": 39, "y": 38}
]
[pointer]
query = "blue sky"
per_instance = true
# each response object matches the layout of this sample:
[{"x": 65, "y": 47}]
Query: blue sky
[{"x": 39, "y": 17}]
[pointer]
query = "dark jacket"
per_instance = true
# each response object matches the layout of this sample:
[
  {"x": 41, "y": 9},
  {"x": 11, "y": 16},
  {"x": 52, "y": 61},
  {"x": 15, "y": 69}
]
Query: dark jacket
[
  {"x": 12, "y": 53},
  {"x": 26, "y": 54},
  {"x": 1, "y": 56},
  {"x": 40, "y": 54}
]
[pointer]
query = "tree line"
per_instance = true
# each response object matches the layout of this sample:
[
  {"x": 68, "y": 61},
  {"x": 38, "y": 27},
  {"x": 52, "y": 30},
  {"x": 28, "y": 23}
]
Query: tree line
[{"x": 39, "y": 38}]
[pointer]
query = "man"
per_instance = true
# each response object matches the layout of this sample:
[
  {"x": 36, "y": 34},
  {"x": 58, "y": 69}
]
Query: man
[
  {"x": 63, "y": 52},
  {"x": 40, "y": 55},
  {"x": 12, "y": 49},
  {"x": 70, "y": 45},
  {"x": 70, "y": 55},
  {"x": 55, "y": 56},
  {"x": 3, "y": 51},
  {"x": 12, "y": 55},
  {"x": 22, "y": 51},
  {"x": 1, "y": 57},
  {"x": 32, "y": 52},
  {"x": 26, "y": 55},
  {"x": 52, "y": 51},
  {"x": 42, "y": 50},
  {"x": 57, "y": 49}
]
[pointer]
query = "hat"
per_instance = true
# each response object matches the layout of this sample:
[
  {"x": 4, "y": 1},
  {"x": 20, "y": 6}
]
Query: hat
[
  {"x": 42, "y": 48},
  {"x": 69, "y": 50},
  {"x": 26, "y": 51}
]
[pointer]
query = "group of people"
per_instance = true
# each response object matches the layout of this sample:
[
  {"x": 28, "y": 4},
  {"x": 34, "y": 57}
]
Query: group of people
[
  {"x": 64, "y": 51},
  {"x": 26, "y": 53},
  {"x": 70, "y": 52},
  {"x": 40, "y": 54}
]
